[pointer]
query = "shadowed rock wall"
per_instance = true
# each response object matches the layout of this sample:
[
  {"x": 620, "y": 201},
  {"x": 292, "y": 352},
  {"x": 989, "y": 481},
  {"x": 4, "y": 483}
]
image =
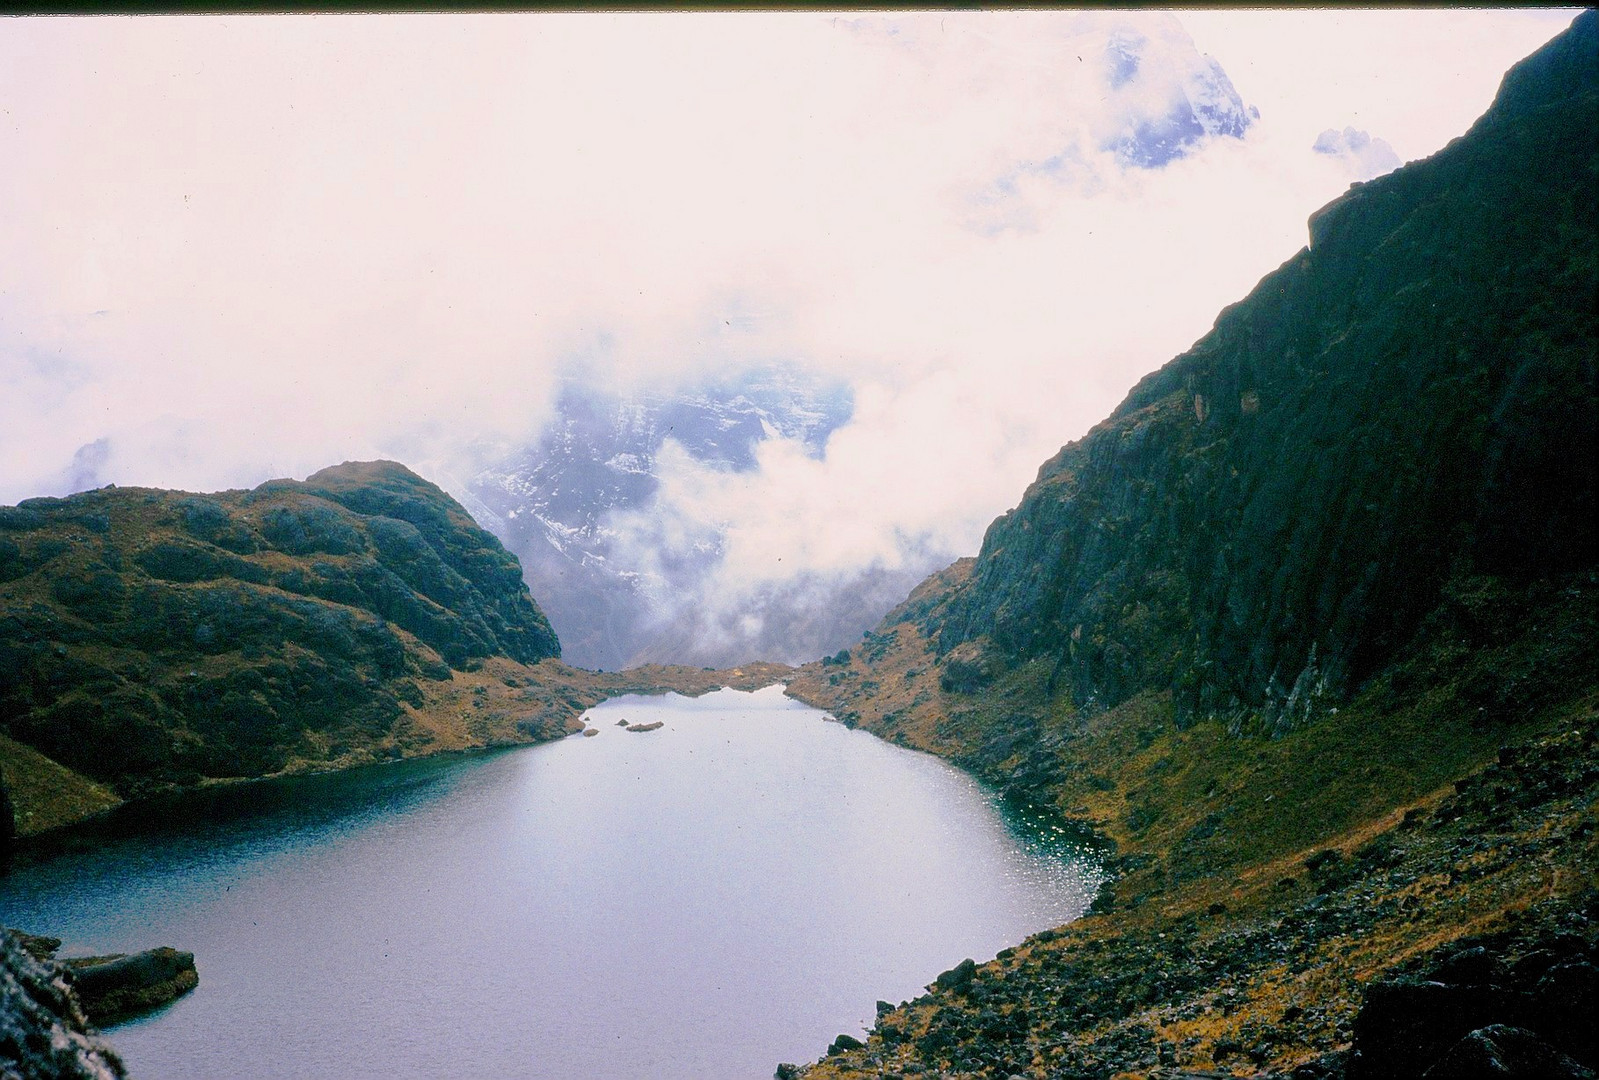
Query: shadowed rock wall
[{"x": 1410, "y": 399}]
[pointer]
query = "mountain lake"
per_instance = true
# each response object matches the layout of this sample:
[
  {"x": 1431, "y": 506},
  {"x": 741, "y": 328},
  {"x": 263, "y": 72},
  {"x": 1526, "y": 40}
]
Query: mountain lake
[{"x": 702, "y": 900}]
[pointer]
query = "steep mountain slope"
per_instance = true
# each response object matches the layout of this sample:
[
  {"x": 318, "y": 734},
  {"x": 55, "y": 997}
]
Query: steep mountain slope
[
  {"x": 1412, "y": 398},
  {"x": 1309, "y": 628}
]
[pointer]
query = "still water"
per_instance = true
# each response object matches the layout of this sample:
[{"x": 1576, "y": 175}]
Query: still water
[{"x": 699, "y": 901}]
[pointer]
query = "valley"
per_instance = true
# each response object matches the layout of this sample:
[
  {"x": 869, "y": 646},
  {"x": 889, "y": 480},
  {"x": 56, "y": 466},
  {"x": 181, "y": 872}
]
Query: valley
[{"x": 1305, "y": 633}]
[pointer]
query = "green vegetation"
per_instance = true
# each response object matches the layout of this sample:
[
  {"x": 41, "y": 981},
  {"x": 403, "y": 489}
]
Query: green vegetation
[
  {"x": 1408, "y": 402},
  {"x": 47, "y": 794},
  {"x": 152, "y": 639}
]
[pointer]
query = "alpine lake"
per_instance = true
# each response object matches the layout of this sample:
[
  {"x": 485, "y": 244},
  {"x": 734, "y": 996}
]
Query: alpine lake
[{"x": 702, "y": 900}]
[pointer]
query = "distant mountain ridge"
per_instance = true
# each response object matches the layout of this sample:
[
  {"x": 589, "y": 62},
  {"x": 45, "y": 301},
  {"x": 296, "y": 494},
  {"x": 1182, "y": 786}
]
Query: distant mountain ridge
[{"x": 554, "y": 504}]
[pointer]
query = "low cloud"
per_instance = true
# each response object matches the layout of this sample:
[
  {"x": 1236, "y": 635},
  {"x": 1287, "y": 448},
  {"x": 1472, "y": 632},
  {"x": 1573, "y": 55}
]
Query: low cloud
[
  {"x": 1365, "y": 156},
  {"x": 251, "y": 247}
]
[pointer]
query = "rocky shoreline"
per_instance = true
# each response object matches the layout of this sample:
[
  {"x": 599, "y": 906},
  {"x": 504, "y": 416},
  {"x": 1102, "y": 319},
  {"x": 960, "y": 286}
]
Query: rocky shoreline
[
  {"x": 119, "y": 986},
  {"x": 500, "y": 704},
  {"x": 43, "y": 1029},
  {"x": 1464, "y": 925}
]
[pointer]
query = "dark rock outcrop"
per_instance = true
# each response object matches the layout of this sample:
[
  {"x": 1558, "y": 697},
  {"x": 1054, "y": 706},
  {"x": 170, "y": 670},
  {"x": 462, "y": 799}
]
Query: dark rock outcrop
[
  {"x": 149, "y": 639},
  {"x": 844, "y": 1043},
  {"x": 114, "y": 988},
  {"x": 1466, "y": 1013},
  {"x": 43, "y": 1031},
  {"x": 1498, "y": 1052},
  {"x": 1405, "y": 1026},
  {"x": 1410, "y": 401}
]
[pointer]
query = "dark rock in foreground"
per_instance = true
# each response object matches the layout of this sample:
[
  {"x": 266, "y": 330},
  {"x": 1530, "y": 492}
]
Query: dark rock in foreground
[
  {"x": 1469, "y": 1014},
  {"x": 43, "y": 1030},
  {"x": 1509, "y": 1052}
]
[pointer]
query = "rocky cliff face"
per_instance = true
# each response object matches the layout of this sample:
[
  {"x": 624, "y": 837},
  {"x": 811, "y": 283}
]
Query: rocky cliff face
[
  {"x": 1409, "y": 400},
  {"x": 154, "y": 638}
]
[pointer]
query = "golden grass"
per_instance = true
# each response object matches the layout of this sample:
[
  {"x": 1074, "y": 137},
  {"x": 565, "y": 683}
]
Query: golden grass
[{"x": 46, "y": 794}]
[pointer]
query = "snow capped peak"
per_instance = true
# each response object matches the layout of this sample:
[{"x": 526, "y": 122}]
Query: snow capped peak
[
  {"x": 1166, "y": 97},
  {"x": 553, "y": 501}
]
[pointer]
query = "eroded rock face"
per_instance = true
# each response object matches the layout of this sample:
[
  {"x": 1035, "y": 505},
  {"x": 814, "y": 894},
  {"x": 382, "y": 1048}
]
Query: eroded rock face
[
  {"x": 43, "y": 1031},
  {"x": 1409, "y": 400}
]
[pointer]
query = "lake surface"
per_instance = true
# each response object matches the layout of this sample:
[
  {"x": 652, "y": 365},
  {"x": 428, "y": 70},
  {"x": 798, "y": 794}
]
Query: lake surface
[{"x": 704, "y": 900}]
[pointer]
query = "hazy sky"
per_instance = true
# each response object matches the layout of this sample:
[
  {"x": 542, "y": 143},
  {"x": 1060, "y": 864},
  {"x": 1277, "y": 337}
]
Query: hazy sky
[{"x": 237, "y": 247}]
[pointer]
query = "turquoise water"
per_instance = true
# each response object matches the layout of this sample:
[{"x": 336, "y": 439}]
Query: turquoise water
[{"x": 703, "y": 900}]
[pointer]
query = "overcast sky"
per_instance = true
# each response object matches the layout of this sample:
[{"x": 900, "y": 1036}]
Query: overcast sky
[{"x": 233, "y": 248}]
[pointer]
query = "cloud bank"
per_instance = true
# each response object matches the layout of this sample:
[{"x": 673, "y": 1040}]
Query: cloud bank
[
  {"x": 244, "y": 247},
  {"x": 1365, "y": 156}
]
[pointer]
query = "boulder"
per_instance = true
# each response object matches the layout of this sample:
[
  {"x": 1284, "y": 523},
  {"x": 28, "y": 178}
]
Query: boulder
[
  {"x": 843, "y": 1043},
  {"x": 1500, "y": 1052},
  {"x": 118, "y": 987},
  {"x": 957, "y": 979},
  {"x": 1404, "y": 1026}
]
